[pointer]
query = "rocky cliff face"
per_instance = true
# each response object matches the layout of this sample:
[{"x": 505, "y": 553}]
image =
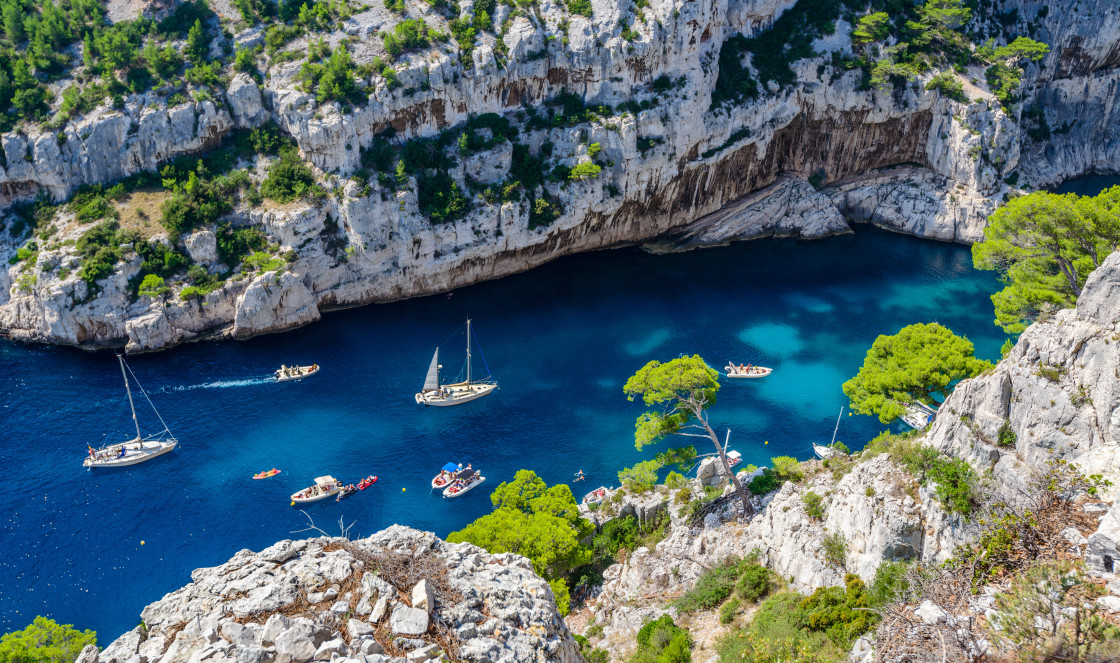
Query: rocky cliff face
[
  {"x": 1059, "y": 388},
  {"x": 680, "y": 173},
  {"x": 398, "y": 595}
]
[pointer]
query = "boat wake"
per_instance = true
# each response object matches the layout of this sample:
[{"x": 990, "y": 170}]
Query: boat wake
[{"x": 223, "y": 384}]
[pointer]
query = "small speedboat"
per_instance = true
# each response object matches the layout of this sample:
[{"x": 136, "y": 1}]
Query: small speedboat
[
  {"x": 289, "y": 373},
  {"x": 264, "y": 475},
  {"x": 824, "y": 453},
  {"x": 465, "y": 481},
  {"x": 734, "y": 458},
  {"x": 326, "y": 486},
  {"x": 596, "y": 496},
  {"x": 346, "y": 491},
  {"x": 746, "y": 371},
  {"x": 367, "y": 482},
  {"x": 446, "y": 475}
]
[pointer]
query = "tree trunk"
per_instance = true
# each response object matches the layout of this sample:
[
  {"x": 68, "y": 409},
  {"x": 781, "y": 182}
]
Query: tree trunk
[{"x": 748, "y": 508}]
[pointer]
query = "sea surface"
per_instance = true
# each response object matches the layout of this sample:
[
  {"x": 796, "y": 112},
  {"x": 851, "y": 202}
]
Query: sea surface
[{"x": 91, "y": 548}]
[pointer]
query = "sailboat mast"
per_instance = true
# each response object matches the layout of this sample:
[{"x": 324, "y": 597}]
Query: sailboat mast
[
  {"x": 129, "y": 391},
  {"x": 837, "y": 425},
  {"x": 468, "y": 350}
]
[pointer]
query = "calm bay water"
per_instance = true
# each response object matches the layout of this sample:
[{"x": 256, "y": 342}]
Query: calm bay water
[{"x": 561, "y": 340}]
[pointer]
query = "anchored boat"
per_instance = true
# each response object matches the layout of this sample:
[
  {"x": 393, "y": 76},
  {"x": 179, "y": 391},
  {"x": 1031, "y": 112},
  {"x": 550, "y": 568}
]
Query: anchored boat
[
  {"x": 138, "y": 449},
  {"x": 823, "y": 452},
  {"x": 596, "y": 496},
  {"x": 326, "y": 486},
  {"x": 918, "y": 415},
  {"x": 289, "y": 373},
  {"x": 746, "y": 371},
  {"x": 455, "y": 393},
  {"x": 464, "y": 482},
  {"x": 446, "y": 475}
]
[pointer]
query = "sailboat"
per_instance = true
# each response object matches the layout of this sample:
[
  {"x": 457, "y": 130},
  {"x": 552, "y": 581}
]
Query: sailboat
[
  {"x": 455, "y": 393},
  {"x": 138, "y": 449},
  {"x": 823, "y": 452}
]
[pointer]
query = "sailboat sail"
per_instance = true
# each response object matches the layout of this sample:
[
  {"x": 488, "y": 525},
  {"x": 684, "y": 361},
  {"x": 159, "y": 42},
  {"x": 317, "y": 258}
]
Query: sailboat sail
[{"x": 431, "y": 381}]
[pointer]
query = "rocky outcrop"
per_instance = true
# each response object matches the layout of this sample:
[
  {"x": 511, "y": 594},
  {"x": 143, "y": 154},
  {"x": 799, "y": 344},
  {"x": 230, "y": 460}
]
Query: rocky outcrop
[
  {"x": 327, "y": 600},
  {"x": 678, "y": 173}
]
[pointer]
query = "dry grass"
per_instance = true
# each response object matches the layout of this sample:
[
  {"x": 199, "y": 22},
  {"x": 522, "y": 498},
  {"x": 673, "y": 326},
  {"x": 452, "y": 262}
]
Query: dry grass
[{"x": 140, "y": 211}]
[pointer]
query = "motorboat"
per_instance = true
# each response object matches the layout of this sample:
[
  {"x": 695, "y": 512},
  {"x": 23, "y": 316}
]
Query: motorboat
[
  {"x": 446, "y": 475},
  {"x": 734, "y": 458},
  {"x": 324, "y": 487},
  {"x": 290, "y": 373},
  {"x": 596, "y": 496},
  {"x": 138, "y": 449},
  {"x": 746, "y": 371},
  {"x": 918, "y": 415},
  {"x": 464, "y": 482}
]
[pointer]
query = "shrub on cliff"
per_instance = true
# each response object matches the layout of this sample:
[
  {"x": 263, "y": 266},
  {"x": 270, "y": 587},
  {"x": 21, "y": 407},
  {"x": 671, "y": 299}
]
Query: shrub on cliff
[
  {"x": 290, "y": 179},
  {"x": 405, "y": 36},
  {"x": 662, "y": 641},
  {"x": 537, "y": 521},
  {"x": 45, "y": 641},
  {"x": 1044, "y": 246}
]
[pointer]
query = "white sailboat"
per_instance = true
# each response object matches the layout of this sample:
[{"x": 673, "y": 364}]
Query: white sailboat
[
  {"x": 138, "y": 449},
  {"x": 455, "y": 393},
  {"x": 823, "y": 452}
]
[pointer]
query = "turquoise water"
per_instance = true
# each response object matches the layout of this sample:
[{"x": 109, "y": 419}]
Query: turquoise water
[{"x": 561, "y": 341}]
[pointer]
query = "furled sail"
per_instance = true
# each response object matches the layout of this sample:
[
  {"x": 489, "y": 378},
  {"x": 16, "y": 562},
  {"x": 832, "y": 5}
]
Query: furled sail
[{"x": 431, "y": 381}]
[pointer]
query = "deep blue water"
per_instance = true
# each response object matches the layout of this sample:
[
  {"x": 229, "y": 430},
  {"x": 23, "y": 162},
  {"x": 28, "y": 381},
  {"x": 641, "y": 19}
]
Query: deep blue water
[
  {"x": 561, "y": 340},
  {"x": 1089, "y": 185}
]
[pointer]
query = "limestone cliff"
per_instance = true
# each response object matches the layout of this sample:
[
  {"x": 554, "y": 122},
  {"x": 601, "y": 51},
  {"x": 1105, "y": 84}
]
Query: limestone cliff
[
  {"x": 1059, "y": 388},
  {"x": 679, "y": 173},
  {"x": 396, "y": 594}
]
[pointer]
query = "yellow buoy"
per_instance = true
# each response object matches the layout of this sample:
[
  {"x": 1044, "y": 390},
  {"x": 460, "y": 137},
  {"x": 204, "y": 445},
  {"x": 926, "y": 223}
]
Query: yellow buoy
[
  {"x": 141, "y": 543},
  {"x": 402, "y": 490},
  {"x": 293, "y": 503},
  {"x": 766, "y": 442}
]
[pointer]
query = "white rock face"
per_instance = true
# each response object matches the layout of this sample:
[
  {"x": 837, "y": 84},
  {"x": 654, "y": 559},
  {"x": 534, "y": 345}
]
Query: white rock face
[
  {"x": 908, "y": 160},
  {"x": 201, "y": 621},
  {"x": 273, "y": 302},
  {"x": 202, "y": 245}
]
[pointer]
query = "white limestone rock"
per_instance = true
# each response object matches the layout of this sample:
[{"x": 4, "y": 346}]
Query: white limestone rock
[
  {"x": 272, "y": 302},
  {"x": 408, "y": 621},
  {"x": 202, "y": 246},
  {"x": 423, "y": 597}
]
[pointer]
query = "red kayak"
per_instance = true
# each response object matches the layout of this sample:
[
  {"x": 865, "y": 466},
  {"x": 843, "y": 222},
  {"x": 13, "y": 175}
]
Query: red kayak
[{"x": 367, "y": 482}]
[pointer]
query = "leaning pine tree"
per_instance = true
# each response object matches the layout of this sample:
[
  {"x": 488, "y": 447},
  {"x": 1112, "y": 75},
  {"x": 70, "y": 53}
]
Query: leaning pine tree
[{"x": 683, "y": 389}]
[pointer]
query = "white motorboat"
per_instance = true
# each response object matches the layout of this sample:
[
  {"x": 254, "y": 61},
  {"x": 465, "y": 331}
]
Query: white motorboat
[
  {"x": 596, "y": 496},
  {"x": 823, "y": 452},
  {"x": 734, "y": 458},
  {"x": 289, "y": 373},
  {"x": 446, "y": 475},
  {"x": 326, "y": 486},
  {"x": 455, "y": 393},
  {"x": 138, "y": 449},
  {"x": 465, "y": 481},
  {"x": 918, "y": 415},
  {"x": 746, "y": 371}
]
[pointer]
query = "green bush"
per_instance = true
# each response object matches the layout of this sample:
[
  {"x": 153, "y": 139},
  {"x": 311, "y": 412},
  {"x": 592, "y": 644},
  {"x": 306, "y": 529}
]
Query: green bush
[
  {"x": 949, "y": 86},
  {"x": 787, "y": 468},
  {"x": 728, "y": 610},
  {"x": 563, "y": 598},
  {"x": 440, "y": 199},
  {"x": 675, "y": 480},
  {"x": 1006, "y": 437},
  {"x": 615, "y": 535},
  {"x": 764, "y": 483},
  {"x": 814, "y": 507},
  {"x": 835, "y": 548},
  {"x": 581, "y": 7},
  {"x": 755, "y": 582},
  {"x": 45, "y": 641},
  {"x": 407, "y": 35},
  {"x": 582, "y": 170},
  {"x": 711, "y": 588},
  {"x": 662, "y": 641},
  {"x": 290, "y": 179},
  {"x": 236, "y": 243},
  {"x": 641, "y": 477},
  {"x": 153, "y": 286}
]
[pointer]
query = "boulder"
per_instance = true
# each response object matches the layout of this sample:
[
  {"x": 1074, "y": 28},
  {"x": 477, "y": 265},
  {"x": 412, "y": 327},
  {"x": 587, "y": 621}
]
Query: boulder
[
  {"x": 202, "y": 245},
  {"x": 408, "y": 621},
  {"x": 245, "y": 102},
  {"x": 930, "y": 613},
  {"x": 330, "y": 648},
  {"x": 358, "y": 629},
  {"x": 379, "y": 610},
  {"x": 423, "y": 597}
]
